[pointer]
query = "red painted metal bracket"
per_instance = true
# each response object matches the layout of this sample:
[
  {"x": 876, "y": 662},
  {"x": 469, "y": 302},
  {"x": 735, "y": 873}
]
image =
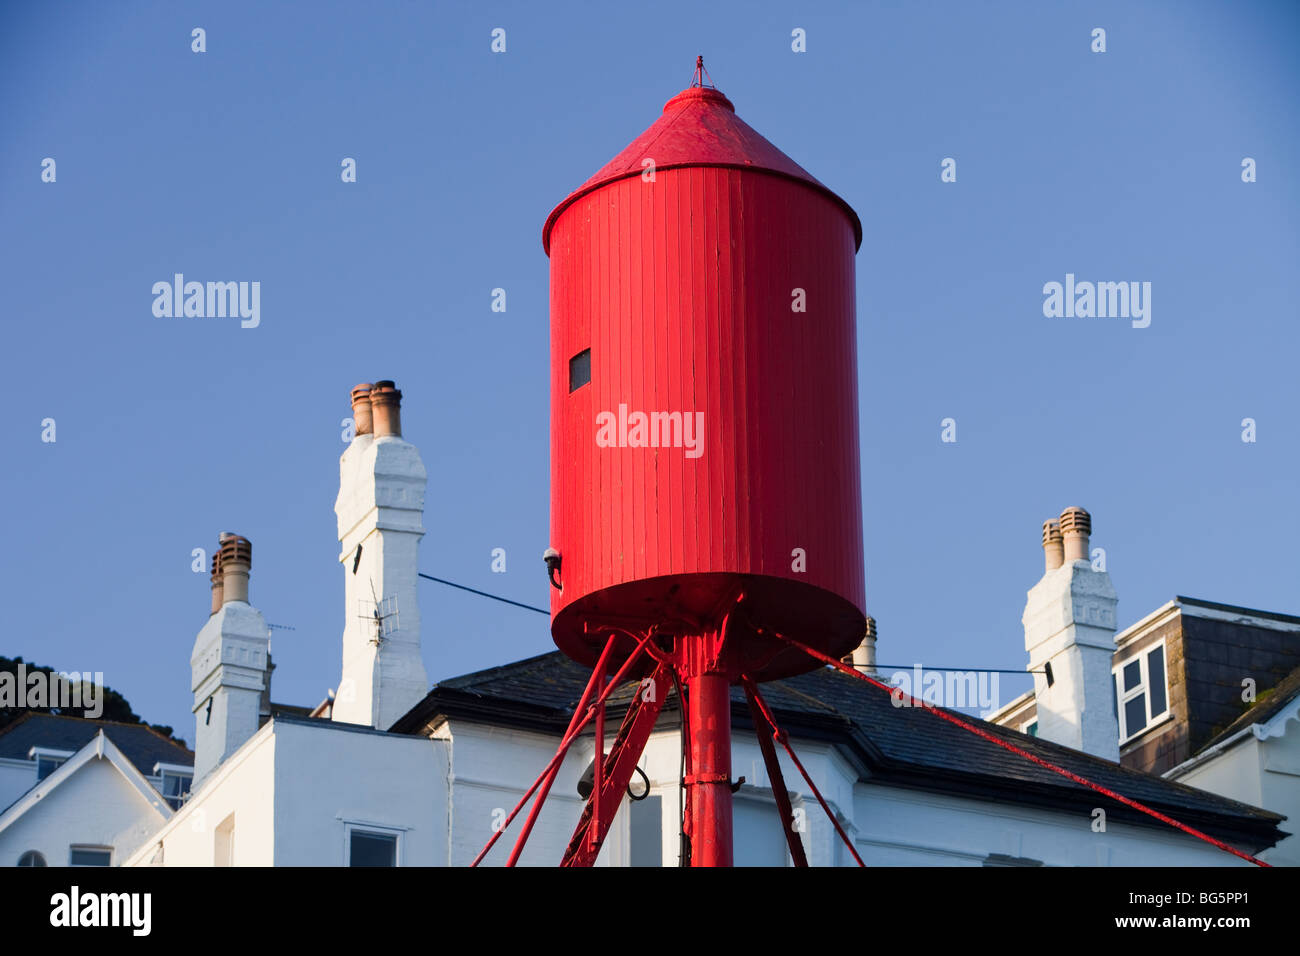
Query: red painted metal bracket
[{"x": 619, "y": 765}]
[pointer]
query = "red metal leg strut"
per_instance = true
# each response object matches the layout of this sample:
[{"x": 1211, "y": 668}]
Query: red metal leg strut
[
  {"x": 765, "y": 734},
  {"x": 780, "y": 737}
]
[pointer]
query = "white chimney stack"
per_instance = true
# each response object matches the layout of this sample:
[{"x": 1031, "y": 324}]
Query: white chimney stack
[
  {"x": 380, "y": 509},
  {"x": 1069, "y": 623},
  {"x": 229, "y": 665}
]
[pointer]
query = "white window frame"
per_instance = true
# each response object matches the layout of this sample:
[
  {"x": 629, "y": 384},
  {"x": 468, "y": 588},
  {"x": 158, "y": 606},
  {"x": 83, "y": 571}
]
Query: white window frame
[
  {"x": 179, "y": 769},
  {"x": 93, "y": 848},
  {"x": 378, "y": 829},
  {"x": 49, "y": 753},
  {"x": 164, "y": 770},
  {"x": 1026, "y": 724},
  {"x": 1143, "y": 687}
]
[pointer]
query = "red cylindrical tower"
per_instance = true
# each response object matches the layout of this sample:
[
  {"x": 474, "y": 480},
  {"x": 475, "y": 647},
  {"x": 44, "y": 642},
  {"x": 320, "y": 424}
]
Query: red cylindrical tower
[
  {"x": 705, "y": 479},
  {"x": 702, "y": 278}
]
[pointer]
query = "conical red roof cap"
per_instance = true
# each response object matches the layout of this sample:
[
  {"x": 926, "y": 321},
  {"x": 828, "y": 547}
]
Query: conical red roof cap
[{"x": 699, "y": 127}]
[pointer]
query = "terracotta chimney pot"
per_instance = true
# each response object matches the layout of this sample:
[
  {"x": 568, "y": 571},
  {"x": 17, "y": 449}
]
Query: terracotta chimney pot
[
  {"x": 1076, "y": 526},
  {"x": 386, "y": 401},
  {"x": 362, "y": 415},
  {"x": 1053, "y": 545},
  {"x": 217, "y": 582},
  {"x": 236, "y": 562}
]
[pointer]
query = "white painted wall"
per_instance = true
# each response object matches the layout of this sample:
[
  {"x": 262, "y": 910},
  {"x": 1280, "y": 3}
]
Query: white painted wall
[
  {"x": 1262, "y": 772},
  {"x": 95, "y": 806},
  {"x": 1236, "y": 773},
  {"x": 897, "y": 827},
  {"x": 490, "y": 769},
  {"x": 1281, "y": 791},
  {"x": 292, "y": 789},
  {"x": 16, "y": 778},
  {"x": 243, "y": 786},
  {"x": 327, "y": 776}
]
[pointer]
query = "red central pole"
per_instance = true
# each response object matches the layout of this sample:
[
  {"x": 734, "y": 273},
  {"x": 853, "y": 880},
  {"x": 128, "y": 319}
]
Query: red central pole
[{"x": 708, "y": 785}]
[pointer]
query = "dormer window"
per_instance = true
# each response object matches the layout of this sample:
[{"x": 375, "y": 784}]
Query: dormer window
[
  {"x": 176, "y": 780},
  {"x": 1141, "y": 694},
  {"x": 47, "y": 760}
]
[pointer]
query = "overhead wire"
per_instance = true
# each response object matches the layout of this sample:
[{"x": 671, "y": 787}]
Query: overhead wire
[{"x": 486, "y": 594}]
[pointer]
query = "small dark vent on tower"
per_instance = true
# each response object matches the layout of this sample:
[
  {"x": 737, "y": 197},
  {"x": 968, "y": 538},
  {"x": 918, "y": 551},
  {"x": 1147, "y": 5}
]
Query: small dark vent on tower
[{"x": 579, "y": 370}]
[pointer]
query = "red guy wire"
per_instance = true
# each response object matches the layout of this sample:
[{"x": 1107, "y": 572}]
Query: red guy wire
[{"x": 1007, "y": 745}]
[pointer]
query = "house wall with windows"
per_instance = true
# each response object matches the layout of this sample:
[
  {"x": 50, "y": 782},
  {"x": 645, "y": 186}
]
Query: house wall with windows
[
  {"x": 230, "y": 821},
  {"x": 298, "y": 791},
  {"x": 889, "y": 825},
  {"x": 295, "y": 792},
  {"x": 342, "y": 789},
  {"x": 493, "y": 765},
  {"x": 96, "y": 808},
  {"x": 19, "y": 776}
]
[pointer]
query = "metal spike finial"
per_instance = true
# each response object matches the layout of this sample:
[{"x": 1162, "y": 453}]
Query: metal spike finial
[{"x": 697, "y": 79}]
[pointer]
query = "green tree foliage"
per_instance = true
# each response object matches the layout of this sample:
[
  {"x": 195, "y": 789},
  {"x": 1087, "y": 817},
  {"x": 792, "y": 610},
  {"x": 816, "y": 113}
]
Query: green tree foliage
[{"x": 115, "y": 706}]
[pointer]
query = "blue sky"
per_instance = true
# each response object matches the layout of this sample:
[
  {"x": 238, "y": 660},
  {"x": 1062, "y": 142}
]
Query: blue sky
[{"x": 1123, "y": 165}]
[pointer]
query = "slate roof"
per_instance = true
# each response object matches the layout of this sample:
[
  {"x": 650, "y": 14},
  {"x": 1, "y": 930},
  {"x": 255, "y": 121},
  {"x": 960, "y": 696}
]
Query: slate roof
[
  {"x": 1270, "y": 703},
  {"x": 142, "y": 745},
  {"x": 899, "y": 746}
]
